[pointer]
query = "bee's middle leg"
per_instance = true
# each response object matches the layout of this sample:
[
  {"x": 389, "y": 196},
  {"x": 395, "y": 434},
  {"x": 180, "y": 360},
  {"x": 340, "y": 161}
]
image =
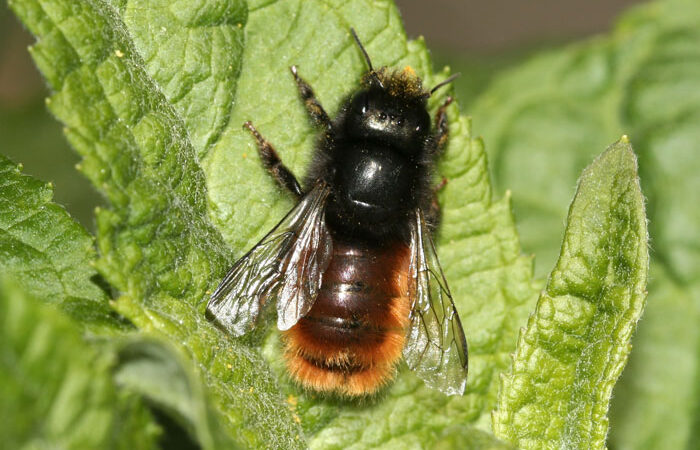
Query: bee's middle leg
[
  {"x": 273, "y": 163},
  {"x": 433, "y": 214},
  {"x": 442, "y": 126}
]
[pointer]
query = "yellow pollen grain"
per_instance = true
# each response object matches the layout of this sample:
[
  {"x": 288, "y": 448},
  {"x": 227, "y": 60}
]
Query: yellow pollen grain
[
  {"x": 409, "y": 70},
  {"x": 119, "y": 53},
  {"x": 292, "y": 400}
]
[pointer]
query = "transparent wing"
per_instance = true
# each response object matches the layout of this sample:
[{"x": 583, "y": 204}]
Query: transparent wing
[
  {"x": 286, "y": 265},
  {"x": 436, "y": 349}
]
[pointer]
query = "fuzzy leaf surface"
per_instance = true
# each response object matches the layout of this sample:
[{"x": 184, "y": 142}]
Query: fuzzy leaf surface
[
  {"x": 156, "y": 243},
  {"x": 156, "y": 371},
  {"x": 47, "y": 252},
  {"x": 56, "y": 389},
  {"x": 577, "y": 342},
  {"x": 67, "y": 246},
  {"x": 641, "y": 79}
]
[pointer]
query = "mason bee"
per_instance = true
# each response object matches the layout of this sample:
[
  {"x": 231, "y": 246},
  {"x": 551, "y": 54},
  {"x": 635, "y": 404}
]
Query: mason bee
[{"x": 352, "y": 268}]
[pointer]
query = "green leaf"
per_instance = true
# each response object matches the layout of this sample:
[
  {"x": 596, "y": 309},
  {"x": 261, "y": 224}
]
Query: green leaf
[
  {"x": 57, "y": 390},
  {"x": 48, "y": 253},
  {"x": 542, "y": 122},
  {"x": 457, "y": 436},
  {"x": 577, "y": 341},
  {"x": 156, "y": 243},
  {"x": 193, "y": 52},
  {"x": 27, "y": 214},
  {"x": 158, "y": 373}
]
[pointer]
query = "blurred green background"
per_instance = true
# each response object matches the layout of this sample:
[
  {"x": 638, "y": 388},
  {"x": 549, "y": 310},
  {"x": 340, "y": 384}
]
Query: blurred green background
[{"x": 28, "y": 133}]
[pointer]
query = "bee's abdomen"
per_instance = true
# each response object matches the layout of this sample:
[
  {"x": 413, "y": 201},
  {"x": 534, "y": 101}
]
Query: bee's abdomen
[{"x": 352, "y": 338}]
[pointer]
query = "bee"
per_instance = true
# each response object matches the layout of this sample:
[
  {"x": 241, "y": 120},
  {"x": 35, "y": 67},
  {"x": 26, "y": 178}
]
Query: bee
[{"x": 352, "y": 268}]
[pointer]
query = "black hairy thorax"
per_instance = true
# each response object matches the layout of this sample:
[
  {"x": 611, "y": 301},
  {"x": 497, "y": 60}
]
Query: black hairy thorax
[{"x": 377, "y": 158}]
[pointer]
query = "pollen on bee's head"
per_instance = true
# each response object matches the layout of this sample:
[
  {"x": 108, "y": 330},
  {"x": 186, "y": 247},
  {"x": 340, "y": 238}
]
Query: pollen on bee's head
[{"x": 403, "y": 83}]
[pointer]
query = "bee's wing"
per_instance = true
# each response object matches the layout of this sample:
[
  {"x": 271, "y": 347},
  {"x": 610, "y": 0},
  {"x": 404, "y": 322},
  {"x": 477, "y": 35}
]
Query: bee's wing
[
  {"x": 436, "y": 349},
  {"x": 286, "y": 265}
]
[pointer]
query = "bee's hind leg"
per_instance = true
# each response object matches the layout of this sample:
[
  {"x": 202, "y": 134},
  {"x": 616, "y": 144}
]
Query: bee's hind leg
[
  {"x": 273, "y": 163},
  {"x": 316, "y": 111}
]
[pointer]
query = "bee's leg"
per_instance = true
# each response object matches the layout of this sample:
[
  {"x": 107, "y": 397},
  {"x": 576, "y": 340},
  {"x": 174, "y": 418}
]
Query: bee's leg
[
  {"x": 273, "y": 163},
  {"x": 433, "y": 214},
  {"x": 441, "y": 125},
  {"x": 316, "y": 111}
]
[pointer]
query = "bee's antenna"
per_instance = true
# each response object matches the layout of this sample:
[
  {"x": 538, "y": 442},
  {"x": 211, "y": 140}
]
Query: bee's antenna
[
  {"x": 444, "y": 82},
  {"x": 369, "y": 62}
]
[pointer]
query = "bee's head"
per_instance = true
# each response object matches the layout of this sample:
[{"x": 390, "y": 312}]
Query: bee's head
[
  {"x": 391, "y": 108},
  {"x": 392, "y": 116}
]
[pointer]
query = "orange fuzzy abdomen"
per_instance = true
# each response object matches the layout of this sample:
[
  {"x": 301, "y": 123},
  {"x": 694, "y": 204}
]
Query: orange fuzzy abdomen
[{"x": 352, "y": 338}]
